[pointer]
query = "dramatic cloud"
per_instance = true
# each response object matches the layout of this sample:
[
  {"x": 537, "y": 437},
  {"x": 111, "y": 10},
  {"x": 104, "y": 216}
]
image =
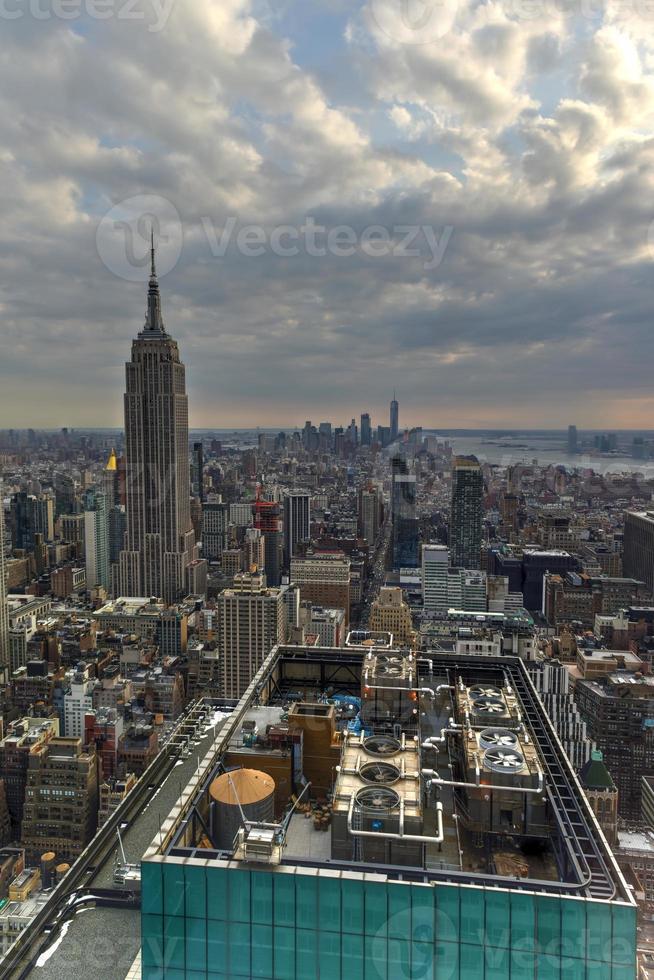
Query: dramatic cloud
[{"x": 451, "y": 198}]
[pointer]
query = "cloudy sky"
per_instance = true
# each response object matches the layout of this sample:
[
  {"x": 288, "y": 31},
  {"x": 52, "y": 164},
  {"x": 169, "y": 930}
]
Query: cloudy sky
[{"x": 453, "y": 198}]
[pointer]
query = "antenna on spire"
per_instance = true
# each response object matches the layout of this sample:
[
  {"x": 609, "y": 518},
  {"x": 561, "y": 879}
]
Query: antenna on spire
[{"x": 153, "y": 271}]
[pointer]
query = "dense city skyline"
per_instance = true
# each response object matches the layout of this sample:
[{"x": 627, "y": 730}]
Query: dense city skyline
[{"x": 327, "y": 585}]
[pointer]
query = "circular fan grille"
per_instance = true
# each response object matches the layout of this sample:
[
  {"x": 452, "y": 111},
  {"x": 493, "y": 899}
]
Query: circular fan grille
[
  {"x": 484, "y": 691},
  {"x": 378, "y": 798},
  {"x": 491, "y": 738},
  {"x": 389, "y": 669},
  {"x": 381, "y": 745},
  {"x": 504, "y": 759},
  {"x": 489, "y": 706},
  {"x": 379, "y": 772}
]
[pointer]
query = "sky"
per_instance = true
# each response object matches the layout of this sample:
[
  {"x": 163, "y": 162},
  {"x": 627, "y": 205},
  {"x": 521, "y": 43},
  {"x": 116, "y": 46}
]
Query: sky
[{"x": 451, "y": 198}]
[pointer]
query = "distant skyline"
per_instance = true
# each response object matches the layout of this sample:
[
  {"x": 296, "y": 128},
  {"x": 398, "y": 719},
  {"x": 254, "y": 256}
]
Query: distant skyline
[{"x": 515, "y": 147}]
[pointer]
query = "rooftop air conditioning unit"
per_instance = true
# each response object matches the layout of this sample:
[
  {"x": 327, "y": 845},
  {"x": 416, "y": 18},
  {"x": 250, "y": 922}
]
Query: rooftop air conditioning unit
[
  {"x": 504, "y": 760},
  {"x": 492, "y": 738}
]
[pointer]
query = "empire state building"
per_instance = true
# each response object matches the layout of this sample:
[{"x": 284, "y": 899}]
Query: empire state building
[{"x": 159, "y": 541}]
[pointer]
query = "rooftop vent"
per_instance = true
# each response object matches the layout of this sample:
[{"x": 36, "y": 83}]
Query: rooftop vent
[
  {"x": 491, "y": 738},
  {"x": 381, "y": 745},
  {"x": 481, "y": 691},
  {"x": 378, "y": 798},
  {"x": 379, "y": 772},
  {"x": 504, "y": 759}
]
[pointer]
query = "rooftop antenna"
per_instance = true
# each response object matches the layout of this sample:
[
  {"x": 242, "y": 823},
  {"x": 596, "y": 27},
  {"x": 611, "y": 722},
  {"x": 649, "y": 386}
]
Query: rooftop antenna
[{"x": 153, "y": 271}]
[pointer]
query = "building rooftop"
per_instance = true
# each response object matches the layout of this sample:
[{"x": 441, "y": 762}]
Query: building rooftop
[{"x": 338, "y": 754}]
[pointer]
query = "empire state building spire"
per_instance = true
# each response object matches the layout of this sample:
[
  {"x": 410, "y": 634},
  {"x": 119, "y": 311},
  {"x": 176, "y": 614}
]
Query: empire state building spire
[
  {"x": 153, "y": 319},
  {"x": 159, "y": 539}
]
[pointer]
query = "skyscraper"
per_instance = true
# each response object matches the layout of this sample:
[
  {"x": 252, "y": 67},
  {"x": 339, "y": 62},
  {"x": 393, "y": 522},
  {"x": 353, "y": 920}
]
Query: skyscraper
[
  {"x": 369, "y": 513},
  {"x": 366, "y": 431},
  {"x": 435, "y": 562},
  {"x": 160, "y": 542},
  {"x": 405, "y": 522},
  {"x": 4, "y": 611},
  {"x": 197, "y": 468},
  {"x": 252, "y": 619},
  {"x": 395, "y": 418},
  {"x": 96, "y": 540},
  {"x": 296, "y": 522},
  {"x": 466, "y": 513},
  {"x": 266, "y": 519},
  {"x": 572, "y": 439}
]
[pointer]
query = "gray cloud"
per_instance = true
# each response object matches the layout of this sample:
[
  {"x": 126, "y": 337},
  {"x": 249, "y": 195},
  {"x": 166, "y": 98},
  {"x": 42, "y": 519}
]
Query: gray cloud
[{"x": 540, "y": 310}]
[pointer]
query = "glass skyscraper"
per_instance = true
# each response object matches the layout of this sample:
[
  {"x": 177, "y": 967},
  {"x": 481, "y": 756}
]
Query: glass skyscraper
[{"x": 467, "y": 512}]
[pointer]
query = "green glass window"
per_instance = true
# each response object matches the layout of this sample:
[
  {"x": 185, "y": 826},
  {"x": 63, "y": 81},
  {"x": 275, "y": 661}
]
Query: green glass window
[
  {"x": 624, "y": 936},
  {"x": 239, "y": 896},
  {"x": 422, "y": 915},
  {"x": 196, "y": 945},
  {"x": 240, "y": 948},
  {"x": 262, "y": 897},
  {"x": 151, "y": 940},
  {"x": 151, "y": 888},
  {"x": 498, "y": 919},
  {"x": 548, "y": 925},
  {"x": 284, "y": 904},
  {"x": 262, "y": 950},
  {"x": 471, "y": 962},
  {"x": 173, "y": 942},
  {"x": 599, "y": 932},
  {"x": 307, "y": 954},
  {"x": 352, "y": 956},
  {"x": 217, "y": 947},
  {"x": 573, "y": 928},
  {"x": 173, "y": 889},
  {"x": 352, "y": 899},
  {"x": 447, "y": 913},
  {"x": 399, "y": 911},
  {"x": 217, "y": 893},
  {"x": 196, "y": 892},
  {"x": 329, "y": 955},
  {"x": 329, "y": 905},
  {"x": 376, "y": 958},
  {"x": 306, "y": 891},
  {"x": 472, "y": 916},
  {"x": 284, "y": 953},
  {"x": 376, "y": 910},
  {"x": 523, "y": 922}
]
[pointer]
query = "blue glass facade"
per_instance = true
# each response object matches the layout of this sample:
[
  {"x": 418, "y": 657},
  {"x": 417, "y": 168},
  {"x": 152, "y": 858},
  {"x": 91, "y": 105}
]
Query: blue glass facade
[{"x": 203, "y": 920}]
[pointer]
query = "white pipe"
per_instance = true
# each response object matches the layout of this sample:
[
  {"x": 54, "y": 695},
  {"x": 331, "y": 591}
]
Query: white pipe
[
  {"x": 413, "y": 838},
  {"x": 431, "y": 774},
  {"x": 384, "y": 687},
  {"x": 434, "y": 740}
]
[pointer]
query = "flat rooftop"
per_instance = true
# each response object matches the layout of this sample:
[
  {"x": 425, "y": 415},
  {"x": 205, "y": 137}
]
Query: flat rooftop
[{"x": 572, "y": 858}]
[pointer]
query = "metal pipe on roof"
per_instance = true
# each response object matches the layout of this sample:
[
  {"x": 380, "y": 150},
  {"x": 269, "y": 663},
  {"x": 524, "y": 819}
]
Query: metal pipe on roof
[
  {"x": 434, "y": 777},
  {"x": 388, "y": 835}
]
